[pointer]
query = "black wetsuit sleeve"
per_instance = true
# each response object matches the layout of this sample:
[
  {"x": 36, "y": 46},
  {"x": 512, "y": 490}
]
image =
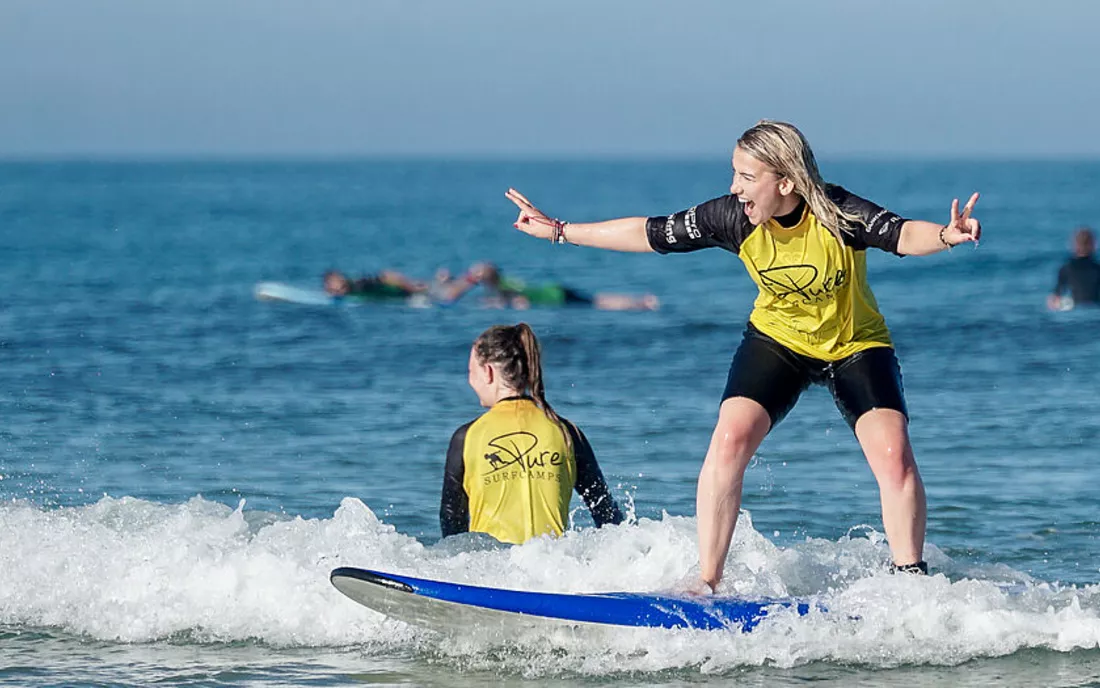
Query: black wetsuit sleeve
[
  {"x": 454, "y": 506},
  {"x": 878, "y": 228},
  {"x": 1063, "y": 280},
  {"x": 719, "y": 222},
  {"x": 591, "y": 485}
]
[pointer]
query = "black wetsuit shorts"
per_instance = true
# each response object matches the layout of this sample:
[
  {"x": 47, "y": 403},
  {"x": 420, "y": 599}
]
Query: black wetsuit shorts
[
  {"x": 774, "y": 376},
  {"x": 576, "y": 298}
]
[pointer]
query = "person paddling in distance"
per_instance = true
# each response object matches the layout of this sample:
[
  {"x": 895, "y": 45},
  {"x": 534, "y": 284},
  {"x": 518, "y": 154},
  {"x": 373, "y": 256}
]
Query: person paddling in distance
[{"x": 815, "y": 320}]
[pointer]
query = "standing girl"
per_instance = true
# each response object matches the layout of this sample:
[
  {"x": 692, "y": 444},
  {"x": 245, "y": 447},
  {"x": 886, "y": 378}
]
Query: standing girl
[{"x": 815, "y": 320}]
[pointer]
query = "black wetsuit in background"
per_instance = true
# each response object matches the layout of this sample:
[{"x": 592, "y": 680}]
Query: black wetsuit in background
[{"x": 1080, "y": 276}]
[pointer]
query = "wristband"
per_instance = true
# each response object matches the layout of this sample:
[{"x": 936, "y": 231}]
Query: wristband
[
  {"x": 944, "y": 241},
  {"x": 557, "y": 235}
]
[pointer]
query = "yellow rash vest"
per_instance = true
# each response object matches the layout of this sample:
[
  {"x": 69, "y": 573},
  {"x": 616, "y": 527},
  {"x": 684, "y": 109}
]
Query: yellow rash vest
[
  {"x": 813, "y": 293},
  {"x": 511, "y": 474}
]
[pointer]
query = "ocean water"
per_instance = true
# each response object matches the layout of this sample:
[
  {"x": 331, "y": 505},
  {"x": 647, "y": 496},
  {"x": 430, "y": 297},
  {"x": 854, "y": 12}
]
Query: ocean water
[{"x": 183, "y": 465}]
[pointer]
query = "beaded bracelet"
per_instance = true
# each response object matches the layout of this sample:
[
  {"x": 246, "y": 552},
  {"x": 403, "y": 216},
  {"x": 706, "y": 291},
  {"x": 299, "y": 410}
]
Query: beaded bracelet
[{"x": 944, "y": 241}]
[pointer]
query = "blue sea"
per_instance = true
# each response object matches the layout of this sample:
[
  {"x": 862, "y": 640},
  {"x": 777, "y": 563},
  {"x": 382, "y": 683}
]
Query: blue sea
[{"x": 184, "y": 464}]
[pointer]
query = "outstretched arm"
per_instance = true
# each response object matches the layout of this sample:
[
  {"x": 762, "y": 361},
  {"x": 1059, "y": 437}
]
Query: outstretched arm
[
  {"x": 623, "y": 234},
  {"x": 591, "y": 485},
  {"x": 920, "y": 238},
  {"x": 455, "y": 289},
  {"x": 395, "y": 279}
]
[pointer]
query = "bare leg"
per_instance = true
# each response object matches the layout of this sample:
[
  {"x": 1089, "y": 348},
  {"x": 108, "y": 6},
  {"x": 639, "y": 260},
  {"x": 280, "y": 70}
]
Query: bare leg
[
  {"x": 884, "y": 436},
  {"x": 626, "y": 302},
  {"x": 742, "y": 426}
]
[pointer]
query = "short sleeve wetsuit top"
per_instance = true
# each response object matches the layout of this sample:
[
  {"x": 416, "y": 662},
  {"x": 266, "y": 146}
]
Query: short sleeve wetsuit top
[
  {"x": 815, "y": 319},
  {"x": 813, "y": 293}
]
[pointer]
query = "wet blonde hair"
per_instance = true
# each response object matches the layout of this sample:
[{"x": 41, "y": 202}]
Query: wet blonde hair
[{"x": 783, "y": 148}]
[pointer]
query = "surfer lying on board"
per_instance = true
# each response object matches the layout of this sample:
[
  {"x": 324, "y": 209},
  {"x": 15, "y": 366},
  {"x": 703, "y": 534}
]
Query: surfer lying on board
[
  {"x": 508, "y": 292},
  {"x": 387, "y": 284},
  {"x": 1079, "y": 276},
  {"x": 815, "y": 320},
  {"x": 512, "y": 471}
]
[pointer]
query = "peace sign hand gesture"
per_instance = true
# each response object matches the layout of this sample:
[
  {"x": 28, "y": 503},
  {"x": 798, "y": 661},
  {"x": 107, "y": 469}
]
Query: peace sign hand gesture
[
  {"x": 531, "y": 220},
  {"x": 962, "y": 227}
]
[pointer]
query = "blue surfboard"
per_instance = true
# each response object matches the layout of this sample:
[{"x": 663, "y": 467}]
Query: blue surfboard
[{"x": 431, "y": 603}]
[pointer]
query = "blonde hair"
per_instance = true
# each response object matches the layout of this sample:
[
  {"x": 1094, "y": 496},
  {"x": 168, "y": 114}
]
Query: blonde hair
[{"x": 782, "y": 147}]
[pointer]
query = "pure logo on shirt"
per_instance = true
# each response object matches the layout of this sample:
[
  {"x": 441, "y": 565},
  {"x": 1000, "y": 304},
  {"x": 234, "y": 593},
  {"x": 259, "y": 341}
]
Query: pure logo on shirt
[
  {"x": 518, "y": 449},
  {"x": 787, "y": 280}
]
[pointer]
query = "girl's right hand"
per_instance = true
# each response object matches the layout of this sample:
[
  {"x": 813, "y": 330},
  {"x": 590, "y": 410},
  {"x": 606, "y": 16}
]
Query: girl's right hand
[{"x": 531, "y": 220}]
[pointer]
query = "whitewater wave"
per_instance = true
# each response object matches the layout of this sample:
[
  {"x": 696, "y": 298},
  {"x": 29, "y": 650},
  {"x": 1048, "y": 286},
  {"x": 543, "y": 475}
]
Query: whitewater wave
[{"x": 134, "y": 571}]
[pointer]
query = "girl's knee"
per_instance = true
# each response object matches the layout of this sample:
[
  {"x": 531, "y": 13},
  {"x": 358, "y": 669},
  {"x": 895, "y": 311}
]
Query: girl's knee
[
  {"x": 896, "y": 473},
  {"x": 738, "y": 434},
  {"x": 732, "y": 446}
]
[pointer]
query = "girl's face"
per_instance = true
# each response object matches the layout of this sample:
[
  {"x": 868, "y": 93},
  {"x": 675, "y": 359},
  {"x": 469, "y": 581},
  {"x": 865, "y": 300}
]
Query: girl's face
[{"x": 760, "y": 189}]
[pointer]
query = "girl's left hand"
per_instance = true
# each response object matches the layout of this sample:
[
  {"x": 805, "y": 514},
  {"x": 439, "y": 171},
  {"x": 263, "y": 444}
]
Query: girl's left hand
[{"x": 962, "y": 227}]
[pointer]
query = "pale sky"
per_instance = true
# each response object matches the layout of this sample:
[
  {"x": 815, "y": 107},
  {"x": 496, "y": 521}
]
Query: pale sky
[{"x": 546, "y": 78}]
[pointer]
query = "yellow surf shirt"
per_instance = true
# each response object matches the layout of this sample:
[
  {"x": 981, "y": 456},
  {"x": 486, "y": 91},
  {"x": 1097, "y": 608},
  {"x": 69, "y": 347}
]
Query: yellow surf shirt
[
  {"x": 519, "y": 473},
  {"x": 813, "y": 293},
  {"x": 511, "y": 473}
]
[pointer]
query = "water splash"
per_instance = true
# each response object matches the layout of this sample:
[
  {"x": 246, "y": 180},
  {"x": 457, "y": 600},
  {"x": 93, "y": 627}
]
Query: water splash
[{"x": 134, "y": 571}]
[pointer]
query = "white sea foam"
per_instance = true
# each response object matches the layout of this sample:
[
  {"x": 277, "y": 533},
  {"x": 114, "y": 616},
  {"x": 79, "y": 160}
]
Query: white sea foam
[{"x": 136, "y": 571}]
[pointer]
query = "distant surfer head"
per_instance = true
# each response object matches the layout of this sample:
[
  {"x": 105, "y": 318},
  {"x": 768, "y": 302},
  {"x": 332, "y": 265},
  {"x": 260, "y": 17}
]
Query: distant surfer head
[
  {"x": 336, "y": 283},
  {"x": 774, "y": 171},
  {"x": 1084, "y": 242},
  {"x": 486, "y": 273}
]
